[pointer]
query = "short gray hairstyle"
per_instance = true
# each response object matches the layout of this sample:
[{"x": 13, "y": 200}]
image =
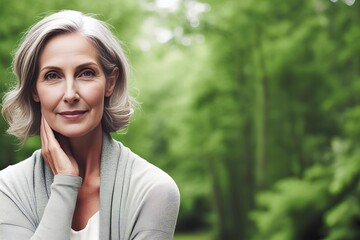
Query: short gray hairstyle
[{"x": 20, "y": 110}]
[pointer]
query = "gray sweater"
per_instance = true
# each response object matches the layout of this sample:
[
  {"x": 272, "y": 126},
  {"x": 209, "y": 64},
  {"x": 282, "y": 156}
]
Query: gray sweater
[{"x": 137, "y": 199}]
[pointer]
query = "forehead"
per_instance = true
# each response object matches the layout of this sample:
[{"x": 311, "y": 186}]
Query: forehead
[{"x": 70, "y": 48}]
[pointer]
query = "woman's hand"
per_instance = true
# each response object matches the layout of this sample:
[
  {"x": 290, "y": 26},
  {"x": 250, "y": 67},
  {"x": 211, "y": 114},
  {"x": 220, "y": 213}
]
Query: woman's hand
[{"x": 58, "y": 157}]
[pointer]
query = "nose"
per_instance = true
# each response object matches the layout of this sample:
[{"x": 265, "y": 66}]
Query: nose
[{"x": 71, "y": 94}]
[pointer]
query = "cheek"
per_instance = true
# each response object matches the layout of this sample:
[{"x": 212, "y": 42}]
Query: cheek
[
  {"x": 94, "y": 98},
  {"x": 48, "y": 99},
  {"x": 99, "y": 105}
]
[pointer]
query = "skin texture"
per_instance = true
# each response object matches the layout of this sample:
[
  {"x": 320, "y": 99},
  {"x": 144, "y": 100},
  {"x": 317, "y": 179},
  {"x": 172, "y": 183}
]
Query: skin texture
[{"x": 71, "y": 88}]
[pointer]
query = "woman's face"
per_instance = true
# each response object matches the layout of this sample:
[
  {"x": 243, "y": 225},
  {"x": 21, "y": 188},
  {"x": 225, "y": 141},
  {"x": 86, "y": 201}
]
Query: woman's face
[{"x": 71, "y": 85}]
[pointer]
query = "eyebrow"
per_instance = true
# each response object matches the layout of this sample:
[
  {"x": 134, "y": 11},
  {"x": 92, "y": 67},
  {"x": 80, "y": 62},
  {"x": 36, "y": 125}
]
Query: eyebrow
[{"x": 88, "y": 64}]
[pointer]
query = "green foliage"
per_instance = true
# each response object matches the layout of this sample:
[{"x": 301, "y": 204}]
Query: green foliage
[
  {"x": 324, "y": 204},
  {"x": 342, "y": 219},
  {"x": 346, "y": 165},
  {"x": 293, "y": 206}
]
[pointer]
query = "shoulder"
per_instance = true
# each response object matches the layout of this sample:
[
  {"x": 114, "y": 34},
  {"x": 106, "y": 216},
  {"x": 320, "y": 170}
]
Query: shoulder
[
  {"x": 18, "y": 177},
  {"x": 153, "y": 197},
  {"x": 17, "y": 193},
  {"x": 147, "y": 180},
  {"x": 19, "y": 173},
  {"x": 148, "y": 175}
]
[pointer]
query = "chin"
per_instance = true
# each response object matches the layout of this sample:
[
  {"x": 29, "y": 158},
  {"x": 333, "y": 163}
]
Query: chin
[
  {"x": 77, "y": 130},
  {"x": 75, "y": 133}
]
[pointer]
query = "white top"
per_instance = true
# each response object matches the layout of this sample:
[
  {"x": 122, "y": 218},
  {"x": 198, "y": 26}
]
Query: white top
[{"x": 90, "y": 232}]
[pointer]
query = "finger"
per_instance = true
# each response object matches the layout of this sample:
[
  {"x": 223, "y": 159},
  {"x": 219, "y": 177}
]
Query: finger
[
  {"x": 42, "y": 133},
  {"x": 45, "y": 146},
  {"x": 58, "y": 152},
  {"x": 66, "y": 147},
  {"x": 49, "y": 132},
  {"x": 44, "y": 142},
  {"x": 52, "y": 167}
]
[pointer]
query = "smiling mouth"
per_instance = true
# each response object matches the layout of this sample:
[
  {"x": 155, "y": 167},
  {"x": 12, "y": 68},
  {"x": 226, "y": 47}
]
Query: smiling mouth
[{"x": 73, "y": 115}]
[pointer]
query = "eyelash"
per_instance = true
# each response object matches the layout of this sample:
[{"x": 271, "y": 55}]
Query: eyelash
[
  {"x": 47, "y": 75},
  {"x": 87, "y": 71}
]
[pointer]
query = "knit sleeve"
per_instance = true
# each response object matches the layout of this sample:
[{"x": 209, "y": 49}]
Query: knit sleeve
[
  {"x": 157, "y": 217},
  {"x": 16, "y": 220}
]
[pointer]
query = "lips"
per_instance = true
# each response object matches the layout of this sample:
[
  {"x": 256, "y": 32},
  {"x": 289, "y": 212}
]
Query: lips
[{"x": 73, "y": 115}]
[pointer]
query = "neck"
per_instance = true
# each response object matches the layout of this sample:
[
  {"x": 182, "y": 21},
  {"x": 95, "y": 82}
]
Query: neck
[{"x": 87, "y": 152}]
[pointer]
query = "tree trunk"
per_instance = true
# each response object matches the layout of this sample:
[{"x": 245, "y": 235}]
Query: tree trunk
[{"x": 263, "y": 92}]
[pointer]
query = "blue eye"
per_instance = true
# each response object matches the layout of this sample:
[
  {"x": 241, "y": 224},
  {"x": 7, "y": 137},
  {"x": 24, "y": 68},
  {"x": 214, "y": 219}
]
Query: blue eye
[{"x": 51, "y": 76}]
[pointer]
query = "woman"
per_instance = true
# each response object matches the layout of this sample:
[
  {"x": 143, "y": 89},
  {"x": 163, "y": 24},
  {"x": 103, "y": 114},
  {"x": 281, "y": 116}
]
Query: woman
[{"x": 82, "y": 184}]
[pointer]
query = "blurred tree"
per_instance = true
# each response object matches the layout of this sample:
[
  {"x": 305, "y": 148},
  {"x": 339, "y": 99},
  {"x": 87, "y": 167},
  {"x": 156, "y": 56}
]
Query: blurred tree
[
  {"x": 317, "y": 206},
  {"x": 263, "y": 112}
]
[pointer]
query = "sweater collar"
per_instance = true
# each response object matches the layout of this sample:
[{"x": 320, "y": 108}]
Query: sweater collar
[{"x": 110, "y": 156}]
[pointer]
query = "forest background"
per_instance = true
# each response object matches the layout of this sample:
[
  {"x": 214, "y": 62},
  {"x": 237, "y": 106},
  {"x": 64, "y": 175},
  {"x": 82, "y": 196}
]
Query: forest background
[{"x": 252, "y": 106}]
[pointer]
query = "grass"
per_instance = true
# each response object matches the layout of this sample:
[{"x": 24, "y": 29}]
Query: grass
[{"x": 194, "y": 236}]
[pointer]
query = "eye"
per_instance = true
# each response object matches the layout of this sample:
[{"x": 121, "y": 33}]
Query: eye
[
  {"x": 87, "y": 73},
  {"x": 51, "y": 76}
]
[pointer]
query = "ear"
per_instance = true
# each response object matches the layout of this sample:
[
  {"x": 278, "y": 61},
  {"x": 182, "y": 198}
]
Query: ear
[
  {"x": 111, "y": 82},
  {"x": 35, "y": 96}
]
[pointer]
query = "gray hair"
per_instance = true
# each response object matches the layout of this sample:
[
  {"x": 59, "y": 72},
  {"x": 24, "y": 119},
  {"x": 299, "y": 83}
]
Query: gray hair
[{"x": 20, "y": 110}]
